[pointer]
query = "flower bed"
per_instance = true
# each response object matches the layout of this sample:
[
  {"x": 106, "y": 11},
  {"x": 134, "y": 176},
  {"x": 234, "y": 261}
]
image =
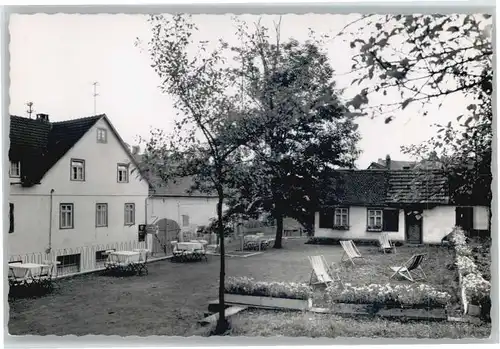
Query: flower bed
[
  {"x": 415, "y": 296},
  {"x": 476, "y": 299},
  {"x": 249, "y": 287}
]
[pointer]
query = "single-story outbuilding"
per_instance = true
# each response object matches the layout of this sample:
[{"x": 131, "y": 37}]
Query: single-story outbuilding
[{"x": 412, "y": 206}]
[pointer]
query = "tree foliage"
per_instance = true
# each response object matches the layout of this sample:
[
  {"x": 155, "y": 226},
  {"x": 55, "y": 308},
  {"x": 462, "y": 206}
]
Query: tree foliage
[
  {"x": 289, "y": 88},
  {"x": 207, "y": 134},
  {"x": 426, "y": 59}
]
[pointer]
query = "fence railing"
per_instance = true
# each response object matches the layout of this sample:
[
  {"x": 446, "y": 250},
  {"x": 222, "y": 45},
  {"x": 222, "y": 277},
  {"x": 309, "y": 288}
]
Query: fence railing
[{"x": 82, "y": 259}]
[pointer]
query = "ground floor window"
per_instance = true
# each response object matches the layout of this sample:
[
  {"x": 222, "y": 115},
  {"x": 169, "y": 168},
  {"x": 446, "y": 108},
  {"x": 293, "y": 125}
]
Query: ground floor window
[
  {"x": 374, "y": 220},
  {"x": 101, "y": 256},
  {"x": 341, "y": 217},
  {"x": 68, "y": 264}
]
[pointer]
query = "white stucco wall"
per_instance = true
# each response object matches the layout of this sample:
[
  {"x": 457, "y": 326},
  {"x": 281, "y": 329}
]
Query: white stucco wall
[
  {"x": 32, "y": 208},
  {"x": 357, "y": 229},
  {"x": 199, "y": 210},
  {"x": 481, "y": 217},
  {"x": 437, "y": 223}
]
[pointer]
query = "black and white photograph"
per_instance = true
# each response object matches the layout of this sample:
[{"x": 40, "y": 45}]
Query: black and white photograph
[{"x": 250, "y": 175}]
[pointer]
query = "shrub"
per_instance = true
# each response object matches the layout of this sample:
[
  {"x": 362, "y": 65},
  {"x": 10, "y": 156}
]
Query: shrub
[
  {"x": 465, "y": 265},
  {"x": 457, "y": 237},
  {"x": 477, "y": 289},
  {"x": 400, "y": 295},
  {"x": 249, "y": 287}
]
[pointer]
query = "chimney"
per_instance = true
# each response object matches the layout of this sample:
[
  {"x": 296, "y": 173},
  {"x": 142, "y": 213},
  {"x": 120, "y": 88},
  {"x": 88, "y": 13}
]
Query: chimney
[
  {"x": 135, "y": 150},
  {"x": 388, "y": 162},
  {"x": 42, "y": 117}
]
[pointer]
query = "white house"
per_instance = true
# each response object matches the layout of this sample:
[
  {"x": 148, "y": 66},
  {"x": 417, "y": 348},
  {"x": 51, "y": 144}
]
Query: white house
[
  {"x": 412, "y": 206},
  {"x": 174, "y": 208},
  {"x": 71, "y": 191}
]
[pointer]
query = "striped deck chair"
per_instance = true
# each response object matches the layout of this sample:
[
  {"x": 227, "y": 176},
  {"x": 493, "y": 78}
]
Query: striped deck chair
[
  {"x": 385, "y": 243},
  {"x": 322, "y": 272},
  {"x": 412, "y": 265},
  {"x": 350, "y": 251}
]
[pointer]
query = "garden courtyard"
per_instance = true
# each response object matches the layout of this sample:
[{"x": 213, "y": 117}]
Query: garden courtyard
[{"x": 174, "y": 296}]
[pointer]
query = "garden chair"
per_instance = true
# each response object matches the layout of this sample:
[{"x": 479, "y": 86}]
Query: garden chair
[
  {"x": 142, "y": 266},
  {"x": 322, "y": 272},
  {"x": 350, "y": 251},
  {"x": 412, "y": 265},
  {"x": 385, "y": 243}
]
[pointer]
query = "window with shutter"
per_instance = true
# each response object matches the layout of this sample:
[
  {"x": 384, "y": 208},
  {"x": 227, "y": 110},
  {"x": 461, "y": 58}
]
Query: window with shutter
[
  {"x": 391, "y": 220},
  {"x": 11, "y": 218},
  {"x": 326, "y": 218}
]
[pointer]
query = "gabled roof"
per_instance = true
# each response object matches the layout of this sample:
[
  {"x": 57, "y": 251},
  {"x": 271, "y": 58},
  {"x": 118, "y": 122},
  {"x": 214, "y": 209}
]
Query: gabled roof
[
  {"x": 381, "y": 187},
  {"x": 395, "y": 165},
  {"x": 407, "y": 187},
  {"x": 180, "y": 187},
  {"x": 40, "y": 144},
  {"x": 357, "y": 187}
]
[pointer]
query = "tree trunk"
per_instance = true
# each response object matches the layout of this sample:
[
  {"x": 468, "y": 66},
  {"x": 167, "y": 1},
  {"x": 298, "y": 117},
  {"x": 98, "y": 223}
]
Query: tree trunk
[
  {"x": 279, "y": 231},
  {"x": 222, "y": 324}
]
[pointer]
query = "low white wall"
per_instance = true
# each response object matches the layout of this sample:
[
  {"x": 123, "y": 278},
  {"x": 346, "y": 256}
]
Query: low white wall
[
  {"x": 481, "y": 217},
  {"x": 199, "y": 210},
  {"x": 357, "y": 229},
  {"x": 437, "y": 223}
]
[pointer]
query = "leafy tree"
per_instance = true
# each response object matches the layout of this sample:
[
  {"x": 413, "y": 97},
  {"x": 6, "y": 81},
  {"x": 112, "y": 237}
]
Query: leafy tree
[
  {"x": 303, "y": 127},
  {"x": 426, "y": 59},
  {"x": 207, "y": 134}
]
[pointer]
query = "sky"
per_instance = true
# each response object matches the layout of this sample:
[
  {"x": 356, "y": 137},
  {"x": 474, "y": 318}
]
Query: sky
[{"x": 54, "y": 59}]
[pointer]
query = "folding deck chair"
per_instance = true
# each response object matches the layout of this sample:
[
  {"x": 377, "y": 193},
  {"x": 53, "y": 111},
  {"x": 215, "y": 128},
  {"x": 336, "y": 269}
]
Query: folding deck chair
[
  {"x": 385, "y": 243},
  {"x": 322, "y": 272},
  {"x": 412, "y": 265},
  {"x": 350, "y": 250}
]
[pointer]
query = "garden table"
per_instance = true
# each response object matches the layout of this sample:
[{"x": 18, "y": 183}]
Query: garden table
[
  {"x": 125, "y": 257},
  {"x": 194, "y": 250},
  {"x": 27, "y": 270}
]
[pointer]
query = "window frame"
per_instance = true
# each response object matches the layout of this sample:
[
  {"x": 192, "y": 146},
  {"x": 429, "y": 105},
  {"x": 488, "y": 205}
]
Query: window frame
[
  {"x": 104, "y": 131},
  {"x": 338, "y": 212},
  {"x": 183, "y": 221},
  {"x": 72, "y": 215},
  {"x": 71, "y": 170},
  {"x": 375, "y": 227},
  {"x": 126, "y": 166},
  {"x": 385, "y": 220},
  {"x": 18, "y": 164},
  {"x": 130, "y": 204},
  {"x": 11, "y": 218},
  {"x": 97, "y": 211}
]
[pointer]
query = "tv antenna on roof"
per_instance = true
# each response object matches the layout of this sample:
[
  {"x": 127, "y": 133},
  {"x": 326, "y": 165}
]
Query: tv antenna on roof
[
  {"x": 30, "y": 109},
  {"x": 95, "y": 94}
]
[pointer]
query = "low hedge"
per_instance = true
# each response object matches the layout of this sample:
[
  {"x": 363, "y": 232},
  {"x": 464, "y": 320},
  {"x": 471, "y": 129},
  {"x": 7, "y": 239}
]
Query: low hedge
[
  {"x": 477, "y": 290},
  {"x": 394, "y": 295},
  {"x": 249, "y": 287}
]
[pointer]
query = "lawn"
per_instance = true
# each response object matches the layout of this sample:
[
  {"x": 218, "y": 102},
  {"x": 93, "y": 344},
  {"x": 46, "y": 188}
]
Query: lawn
[{"x": 174, "y": 296}]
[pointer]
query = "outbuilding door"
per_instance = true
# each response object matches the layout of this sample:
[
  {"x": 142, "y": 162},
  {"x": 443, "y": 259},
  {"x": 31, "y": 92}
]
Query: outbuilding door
[
  {"x": 464, "y": 218},
  {"x": 413, "y": 225},
  {"x": 168, "y": 230}
]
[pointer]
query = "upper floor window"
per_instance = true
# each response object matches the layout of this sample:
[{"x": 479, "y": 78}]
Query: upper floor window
[
  {"x": 122, "y": 173},
  {"x": 102, "y": 135},
  {"x": 77, "y": 170},
  {"x": 15, "y": 169}
]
